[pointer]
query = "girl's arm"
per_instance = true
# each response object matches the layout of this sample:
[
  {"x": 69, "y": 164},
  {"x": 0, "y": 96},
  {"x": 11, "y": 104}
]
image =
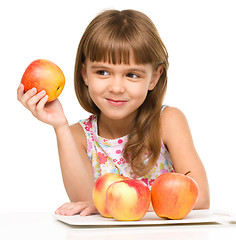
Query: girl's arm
[
  {"x": 177, "y": 137},
  {"x": 75, "y": 165},
  {"x": 76, "y": 170}
]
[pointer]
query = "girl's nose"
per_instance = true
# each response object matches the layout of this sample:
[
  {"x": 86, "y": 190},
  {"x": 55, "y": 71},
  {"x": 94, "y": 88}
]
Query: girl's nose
[{"x": 116, "y": 85}]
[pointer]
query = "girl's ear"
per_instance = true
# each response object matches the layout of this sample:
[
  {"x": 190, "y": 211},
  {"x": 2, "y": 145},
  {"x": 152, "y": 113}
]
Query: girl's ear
[
  {"x": 156, "y": 76},
  {"x": 83, "y": 74}
]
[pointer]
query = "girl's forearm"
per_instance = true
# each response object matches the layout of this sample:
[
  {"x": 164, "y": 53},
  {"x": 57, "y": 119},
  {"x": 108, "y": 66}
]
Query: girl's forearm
[{"x": 77, "y": 175}]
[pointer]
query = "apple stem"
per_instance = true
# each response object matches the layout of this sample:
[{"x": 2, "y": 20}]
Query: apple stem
[
  {"x": 118, "y": 170},
  {"x": 120, "y": 173},
  {"x": 187, "y": 173}
]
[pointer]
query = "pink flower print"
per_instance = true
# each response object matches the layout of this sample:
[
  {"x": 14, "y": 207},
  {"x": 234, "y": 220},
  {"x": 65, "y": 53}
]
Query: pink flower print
[
  {"x": 145, "y": 180},
  {"x": 88, "y": 125},
  {"x": 102, "y": 158},
  {"x": 121, "y": 160},
  {"x": 151, "y": 182},
  {"x": 114, "y": 160},
  {"x": 118, "y": 151},
  {"x": 90, "y": 145},
  {"x": 120, "y": 141}
]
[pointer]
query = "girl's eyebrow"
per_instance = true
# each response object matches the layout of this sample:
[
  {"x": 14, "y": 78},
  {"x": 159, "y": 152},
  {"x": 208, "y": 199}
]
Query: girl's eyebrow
[
  {"x": 137, "y": 70},
  {"x": 128, "y": 69},
  {"x": 98, "y": 66}
]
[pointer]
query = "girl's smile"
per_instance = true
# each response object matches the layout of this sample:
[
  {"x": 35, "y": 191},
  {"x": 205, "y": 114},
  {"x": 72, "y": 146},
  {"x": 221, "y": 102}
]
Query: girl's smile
[{"x": 115, "y": 102}]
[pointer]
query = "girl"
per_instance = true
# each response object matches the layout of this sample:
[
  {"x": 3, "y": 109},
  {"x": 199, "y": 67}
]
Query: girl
[{"x": 121, "y": 78}]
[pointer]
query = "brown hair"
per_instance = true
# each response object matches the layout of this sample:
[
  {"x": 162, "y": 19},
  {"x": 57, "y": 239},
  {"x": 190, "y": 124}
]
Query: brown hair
[{"x": 110, "y": 37}]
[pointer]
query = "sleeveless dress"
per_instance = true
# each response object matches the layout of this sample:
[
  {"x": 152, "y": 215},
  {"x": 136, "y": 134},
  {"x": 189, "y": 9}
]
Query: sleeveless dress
[{"x": 105, "y": 154}]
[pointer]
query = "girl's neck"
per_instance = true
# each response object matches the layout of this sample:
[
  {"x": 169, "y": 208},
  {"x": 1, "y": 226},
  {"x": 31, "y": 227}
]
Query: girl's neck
[{"x": 115, "y": 128}]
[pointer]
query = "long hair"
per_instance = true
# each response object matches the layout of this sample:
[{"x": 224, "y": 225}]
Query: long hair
[{"x": 111, "y": 37}]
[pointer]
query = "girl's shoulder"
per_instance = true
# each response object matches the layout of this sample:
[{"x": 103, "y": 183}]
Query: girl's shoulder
[
  {"x": 172, "y": 120},
  {"x": 79, "y": 135},
  {"x": 168, "y": 111}
]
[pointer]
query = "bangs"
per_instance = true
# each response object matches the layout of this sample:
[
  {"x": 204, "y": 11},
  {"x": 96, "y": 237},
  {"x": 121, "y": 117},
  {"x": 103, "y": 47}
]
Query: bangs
[
  {"x": 108, "y": 50},
  {"x": 118, "y": 41}
]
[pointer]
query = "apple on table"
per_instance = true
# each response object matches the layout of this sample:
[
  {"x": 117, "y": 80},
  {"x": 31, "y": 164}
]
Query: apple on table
[
  {"x": 128, "y": 200},
  {"x": 174, "y": 195},
  {"x": 121, "y": 197}
]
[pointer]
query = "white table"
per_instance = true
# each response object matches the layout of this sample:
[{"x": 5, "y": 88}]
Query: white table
[{"x": 44, "y": 226}]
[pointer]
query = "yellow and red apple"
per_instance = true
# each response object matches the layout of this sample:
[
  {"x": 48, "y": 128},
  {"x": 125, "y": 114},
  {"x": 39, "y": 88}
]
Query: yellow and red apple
[
  {"x": 99, "y": 191},
  {"x": 44, "y": 75},
  {"x": 128, "y": 200},
  {"x": 174, "y": 195}
]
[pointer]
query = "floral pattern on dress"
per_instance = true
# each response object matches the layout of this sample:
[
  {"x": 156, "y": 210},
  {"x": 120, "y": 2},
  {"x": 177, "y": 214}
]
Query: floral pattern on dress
[{"x": 106, "y": 155}]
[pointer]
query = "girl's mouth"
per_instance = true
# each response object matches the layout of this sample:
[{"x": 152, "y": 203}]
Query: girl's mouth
[{"x": 116, "y": 102}]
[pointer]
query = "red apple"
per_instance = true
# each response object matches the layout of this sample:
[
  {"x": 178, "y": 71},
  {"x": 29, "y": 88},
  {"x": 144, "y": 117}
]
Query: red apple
[
  {"x": 128, "y": 200},
  {"x": 99, "y": 191},
  {"x": 44, "y": 75},
  {"x": 174, "y": 195}
]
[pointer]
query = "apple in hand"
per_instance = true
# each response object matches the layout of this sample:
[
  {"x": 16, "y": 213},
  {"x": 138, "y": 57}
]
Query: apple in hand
[
  {"x": 174, "y": 195},
  {"x": 44, "y": 75},
  {"x": 128, "y": 200},
  {"x": 99, "y": 191}
]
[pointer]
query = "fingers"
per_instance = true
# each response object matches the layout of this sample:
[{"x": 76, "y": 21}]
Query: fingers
[
  {"x": 62, "y": 210},
  {"x": 42, "y": 103},
  {"x": 31, "y": 99},
  {"x": 34, "y": 99},
  {"x": 20, "y": 91},
  {"x": 69, "y": 209},
  {"x": 88, "y": 211},
  {"x": 23, "y": 98}
]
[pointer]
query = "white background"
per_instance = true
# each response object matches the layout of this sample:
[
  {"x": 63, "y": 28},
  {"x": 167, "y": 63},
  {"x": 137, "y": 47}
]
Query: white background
[{"x": 200, "y": 38}]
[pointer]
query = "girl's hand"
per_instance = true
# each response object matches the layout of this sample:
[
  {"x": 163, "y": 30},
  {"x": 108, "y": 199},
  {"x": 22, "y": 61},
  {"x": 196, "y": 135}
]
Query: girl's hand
[
  {"x": 47, "y": 112},
  {"x": 83, "y": 208}
]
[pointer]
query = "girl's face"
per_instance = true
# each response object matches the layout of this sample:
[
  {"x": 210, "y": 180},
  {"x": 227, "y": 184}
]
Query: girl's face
[{"x": 119, "y": 90}]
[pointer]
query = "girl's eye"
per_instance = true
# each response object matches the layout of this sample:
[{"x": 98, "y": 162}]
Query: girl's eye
[
  {"x": 103, "y": 73},
  {"x": 132, "y": 75}
]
